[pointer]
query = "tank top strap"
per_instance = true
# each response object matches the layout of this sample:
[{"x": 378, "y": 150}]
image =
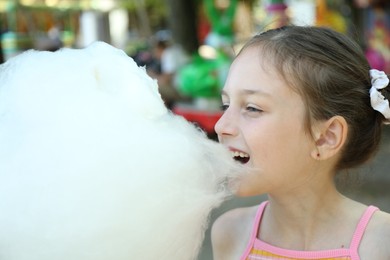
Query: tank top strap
[
  {"x": 361, "y": 227},
  {"x": 255, "y": 228}
]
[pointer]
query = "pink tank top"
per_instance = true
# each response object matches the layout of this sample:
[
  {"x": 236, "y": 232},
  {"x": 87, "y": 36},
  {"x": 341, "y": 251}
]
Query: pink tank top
[{"x": 260, "y": 250}]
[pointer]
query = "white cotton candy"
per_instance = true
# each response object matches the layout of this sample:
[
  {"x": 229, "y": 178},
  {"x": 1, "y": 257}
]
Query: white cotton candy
[{"x": 93, "y": 166}]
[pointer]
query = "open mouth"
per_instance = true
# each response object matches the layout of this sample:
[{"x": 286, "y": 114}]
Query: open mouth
[{"x": 240, "y": 157}]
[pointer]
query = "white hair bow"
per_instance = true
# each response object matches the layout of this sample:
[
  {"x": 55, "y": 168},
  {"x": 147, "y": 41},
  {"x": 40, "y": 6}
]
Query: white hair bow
[{"x": 379, "y": 80}]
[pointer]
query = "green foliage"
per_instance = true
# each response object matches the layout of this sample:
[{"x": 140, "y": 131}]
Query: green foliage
[
  {"x": 158, "y": 6},
  {"x": 204, "y": 77}
]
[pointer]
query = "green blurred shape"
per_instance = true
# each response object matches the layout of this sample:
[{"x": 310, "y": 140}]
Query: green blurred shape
[{"x": 204, "y": 77}]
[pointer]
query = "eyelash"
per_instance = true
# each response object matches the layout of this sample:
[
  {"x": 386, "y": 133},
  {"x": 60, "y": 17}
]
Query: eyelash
[
  {"x": 253, "y": 109},
  {"x": 224, "y": 107},
  {"x": 250, "y": 109}
]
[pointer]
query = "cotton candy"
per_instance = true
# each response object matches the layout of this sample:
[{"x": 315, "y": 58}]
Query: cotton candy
[{"x": 94, "y": 166}]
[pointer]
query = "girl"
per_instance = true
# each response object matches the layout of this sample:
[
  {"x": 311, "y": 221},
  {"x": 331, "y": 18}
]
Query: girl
[{"x": 301, "y": 104}]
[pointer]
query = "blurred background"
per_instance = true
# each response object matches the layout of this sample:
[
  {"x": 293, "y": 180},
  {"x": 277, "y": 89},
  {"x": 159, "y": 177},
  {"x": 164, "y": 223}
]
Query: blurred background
[{"x": 188, "y": 45}]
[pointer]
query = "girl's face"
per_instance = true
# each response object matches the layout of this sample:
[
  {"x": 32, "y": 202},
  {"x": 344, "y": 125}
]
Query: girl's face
[{"x": 263, "y": 126}]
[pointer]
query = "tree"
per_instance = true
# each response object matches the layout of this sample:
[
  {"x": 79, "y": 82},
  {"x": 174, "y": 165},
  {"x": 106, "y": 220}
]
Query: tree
[{"x": 182, "y": 20}]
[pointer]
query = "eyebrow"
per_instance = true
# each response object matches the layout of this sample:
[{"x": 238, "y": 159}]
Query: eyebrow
[{"x": 248, "y": 92}]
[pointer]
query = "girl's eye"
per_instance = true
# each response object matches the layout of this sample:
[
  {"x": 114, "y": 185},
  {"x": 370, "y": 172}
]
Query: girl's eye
[
  {"x": 224, "y": 107},
  {"x": 253, "y": 109}
]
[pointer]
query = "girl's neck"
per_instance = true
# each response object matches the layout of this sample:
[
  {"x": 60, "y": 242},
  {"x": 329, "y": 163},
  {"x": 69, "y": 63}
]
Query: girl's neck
[{"x": 299, "y": 222}]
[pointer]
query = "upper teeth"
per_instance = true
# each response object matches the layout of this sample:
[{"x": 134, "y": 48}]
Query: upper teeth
[{"x": 239, "y": 154}]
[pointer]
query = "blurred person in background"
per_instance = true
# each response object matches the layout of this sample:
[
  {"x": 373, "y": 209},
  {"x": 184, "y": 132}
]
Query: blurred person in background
[{"x": 169, "y": 58}]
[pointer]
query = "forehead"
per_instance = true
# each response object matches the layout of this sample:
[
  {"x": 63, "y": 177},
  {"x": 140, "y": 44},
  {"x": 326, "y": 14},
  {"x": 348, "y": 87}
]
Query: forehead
[{"x": 252, "y": 72}]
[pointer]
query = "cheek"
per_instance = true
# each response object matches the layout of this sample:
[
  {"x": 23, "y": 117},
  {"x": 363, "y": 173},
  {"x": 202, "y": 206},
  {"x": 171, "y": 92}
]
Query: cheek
[
  {"x": 274, "y": 149},
  {"x": 263, "y": 141}
]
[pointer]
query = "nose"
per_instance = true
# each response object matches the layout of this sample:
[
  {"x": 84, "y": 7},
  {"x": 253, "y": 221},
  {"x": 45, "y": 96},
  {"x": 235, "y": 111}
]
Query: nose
[{"x": 226, "y": 125}]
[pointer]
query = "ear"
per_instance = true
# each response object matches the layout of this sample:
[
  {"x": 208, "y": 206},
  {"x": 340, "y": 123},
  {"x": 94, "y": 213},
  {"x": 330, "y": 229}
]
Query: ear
[{"x": 330, "y": 137}]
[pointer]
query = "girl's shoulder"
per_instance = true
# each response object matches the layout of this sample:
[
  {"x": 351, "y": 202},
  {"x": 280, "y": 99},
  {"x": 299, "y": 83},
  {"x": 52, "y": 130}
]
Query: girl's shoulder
[
  {"x": 376, "y": 240},
  {"x": 231, "y": 232}
]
